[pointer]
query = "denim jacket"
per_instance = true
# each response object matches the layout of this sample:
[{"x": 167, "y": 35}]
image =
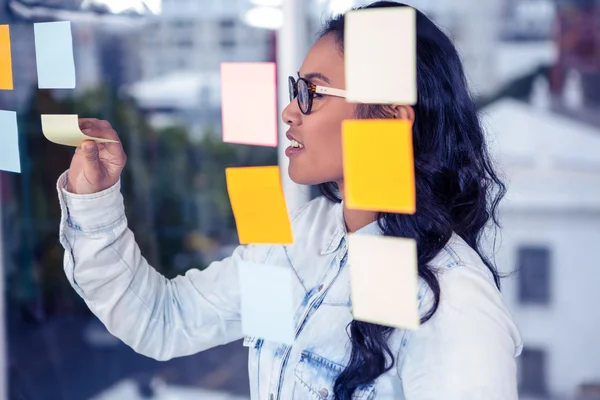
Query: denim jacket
[{"x": 465, "y": 351}]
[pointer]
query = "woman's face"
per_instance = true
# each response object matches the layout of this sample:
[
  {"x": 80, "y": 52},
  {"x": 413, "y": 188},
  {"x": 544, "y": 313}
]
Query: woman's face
[{"x": 319, "y": 132}]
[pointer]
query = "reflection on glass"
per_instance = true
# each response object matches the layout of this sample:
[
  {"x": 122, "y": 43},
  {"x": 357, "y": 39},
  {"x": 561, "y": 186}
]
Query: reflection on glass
[{"x": 537, "y": 81}]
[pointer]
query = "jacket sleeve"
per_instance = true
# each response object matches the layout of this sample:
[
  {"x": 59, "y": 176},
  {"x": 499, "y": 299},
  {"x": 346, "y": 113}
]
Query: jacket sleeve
[
  {"x": 467, "y": 350},
  {"x": 157, "y": 317}
]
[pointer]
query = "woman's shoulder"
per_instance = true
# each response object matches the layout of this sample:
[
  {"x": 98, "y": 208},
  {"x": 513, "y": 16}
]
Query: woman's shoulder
[
  {"x": 471, "y": 306},
  {"x": 458, "y": 255},
  {"x": 466, "y": 283},
  {"x": 472, "y": 328},
  {"x": 467, "y": 286}
]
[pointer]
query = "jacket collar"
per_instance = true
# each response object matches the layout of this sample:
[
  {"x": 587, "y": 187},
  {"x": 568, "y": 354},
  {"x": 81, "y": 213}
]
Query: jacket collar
[{"x": 338, "y": 232}]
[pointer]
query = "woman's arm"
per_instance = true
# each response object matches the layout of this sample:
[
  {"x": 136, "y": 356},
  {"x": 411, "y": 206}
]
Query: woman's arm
[
  {"x": 467, "y": 350},
  {"x": 157, "y": 317}
]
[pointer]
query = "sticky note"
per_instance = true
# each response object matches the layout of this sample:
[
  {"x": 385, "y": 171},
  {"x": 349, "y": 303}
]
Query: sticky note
[
  {"x": 64, "y": 129},
  {"x": 6, "y": 75},
  {"x": 380, "y": 52},
  {"x": 383, "y": 280},
  {"x": 249, "y": 103},
  {"x": 9, "y": 142},
  {"x": 258, "y": 205},
  {"x": 54, "y": 55},
  {"x": 266, "y": 302},
  {"x": 379, "y": 165}
]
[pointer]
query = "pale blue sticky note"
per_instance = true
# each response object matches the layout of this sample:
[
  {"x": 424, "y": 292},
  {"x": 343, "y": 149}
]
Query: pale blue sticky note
[
  {"x": 267, "y": 304},
  {"x": 9, "y": 142},
  {"x": 54, "y": 55}
]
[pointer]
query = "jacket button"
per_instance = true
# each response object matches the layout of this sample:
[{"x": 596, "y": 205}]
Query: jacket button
[
  {"x": 323, "y": 393},
  {"x": 320, "y": 287},
  {"x": 271, "y": 397}
]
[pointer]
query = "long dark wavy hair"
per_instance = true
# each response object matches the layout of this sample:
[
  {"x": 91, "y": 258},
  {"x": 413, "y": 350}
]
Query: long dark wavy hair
[{"x": 457, "y": 188}]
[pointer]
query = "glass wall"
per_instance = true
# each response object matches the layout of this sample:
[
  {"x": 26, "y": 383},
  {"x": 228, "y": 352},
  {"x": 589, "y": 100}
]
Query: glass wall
[{"x": 534, "y": 68}]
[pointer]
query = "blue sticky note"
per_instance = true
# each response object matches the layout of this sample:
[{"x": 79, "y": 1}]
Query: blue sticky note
[
  {"x": 267, "y": 304},
  {"x": 54, "y": 55},
  {"x": 9, "y": 142}
]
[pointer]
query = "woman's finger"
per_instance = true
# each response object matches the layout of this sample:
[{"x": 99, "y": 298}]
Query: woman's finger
[
  {"x": 87, "y": 122},
  {"x": 99, "y": 132}
]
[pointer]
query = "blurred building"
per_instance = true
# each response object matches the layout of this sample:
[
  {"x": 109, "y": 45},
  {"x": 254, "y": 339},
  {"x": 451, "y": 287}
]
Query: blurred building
[
  {"x": 485, "y": 32},
  {"x": 105, "y": 46},
  {"x": 197, "y": 35},
  {"x": 527, "y": 20},
  {"x": 181, "y": 98},
  {"x": 118, "y": 53},
  {"x": 181, "y": 51},
  {"x": 550, "y": 226},
  {"x": 550, "y": 151}
]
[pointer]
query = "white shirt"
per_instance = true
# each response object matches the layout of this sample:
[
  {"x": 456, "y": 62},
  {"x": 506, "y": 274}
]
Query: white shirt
[{"x": 465, "y": 351}]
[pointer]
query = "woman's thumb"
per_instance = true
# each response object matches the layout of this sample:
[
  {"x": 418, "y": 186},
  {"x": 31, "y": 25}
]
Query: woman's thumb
[{"x": 90, "y": 151}]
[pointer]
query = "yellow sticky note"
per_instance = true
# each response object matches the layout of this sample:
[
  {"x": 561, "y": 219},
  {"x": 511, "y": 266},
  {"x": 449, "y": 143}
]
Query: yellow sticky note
[
  {"x": 258, "y": 205},
  {"x": 64, "y": 129},
  {"x": 6, "y": 75},
  {"x": 379, "y": 167},
  {"x": 383, "y": 280}
]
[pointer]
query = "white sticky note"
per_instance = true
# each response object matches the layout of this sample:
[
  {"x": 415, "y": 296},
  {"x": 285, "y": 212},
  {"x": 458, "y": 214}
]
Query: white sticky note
[
  {"x": 64, "y": 129},
  {"x": 249, "y": 103},
  {"x": 54, "y": 55},
  {"x": 267, "y": 304},
  {"x": 380, "y": 50},
  {"x": 383, "y": 280},
  {"x": 9, "y": 142}
]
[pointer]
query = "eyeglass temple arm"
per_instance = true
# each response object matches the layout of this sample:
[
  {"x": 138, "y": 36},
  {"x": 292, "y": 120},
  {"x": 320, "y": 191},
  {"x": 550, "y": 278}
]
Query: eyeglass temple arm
[{"x": 330, "y": 91}]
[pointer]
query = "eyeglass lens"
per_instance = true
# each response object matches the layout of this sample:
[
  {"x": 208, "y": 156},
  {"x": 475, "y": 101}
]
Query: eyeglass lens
[
  {"x": 303, "y": 95},
  {"x": 300, "y": 90}
]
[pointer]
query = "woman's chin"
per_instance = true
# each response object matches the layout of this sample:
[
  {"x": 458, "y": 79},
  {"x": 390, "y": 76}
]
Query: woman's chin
[
  {"x": 300, "y": 177},
  {"x": 299, "y": 180}
]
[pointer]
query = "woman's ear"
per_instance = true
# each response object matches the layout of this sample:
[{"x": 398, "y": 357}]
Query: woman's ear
[{"x": 404, "y": 112}]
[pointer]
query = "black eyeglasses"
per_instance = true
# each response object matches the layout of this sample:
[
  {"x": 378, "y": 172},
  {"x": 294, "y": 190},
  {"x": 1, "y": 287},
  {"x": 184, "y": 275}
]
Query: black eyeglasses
[{"x": 305, "y": 91}]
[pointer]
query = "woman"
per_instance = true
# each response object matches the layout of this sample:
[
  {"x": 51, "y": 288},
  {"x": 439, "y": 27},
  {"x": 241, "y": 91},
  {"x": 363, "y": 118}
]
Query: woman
[{"x": 467, "y": 344}]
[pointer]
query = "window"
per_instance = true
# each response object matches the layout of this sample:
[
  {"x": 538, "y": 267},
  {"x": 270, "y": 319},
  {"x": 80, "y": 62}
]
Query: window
[
  {"x": 185, "y": 42},
  {"x": 532, "y": 372},
  {"x": 534, "y": 275},
  {"x": 227, "y": 24},
  {"x": 227, "y": 44},
  {"x": 227, "y": 34},
  {"x": 183, "y": 24}
]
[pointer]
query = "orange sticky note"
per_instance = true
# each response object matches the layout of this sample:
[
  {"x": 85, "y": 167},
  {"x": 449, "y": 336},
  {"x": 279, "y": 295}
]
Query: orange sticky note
[
  {"x": 379, "y": 165},
  {"x": 6, "y": 75},
  {"x": 258, "y": 205},
  {"x": 249, "y": 103}
]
